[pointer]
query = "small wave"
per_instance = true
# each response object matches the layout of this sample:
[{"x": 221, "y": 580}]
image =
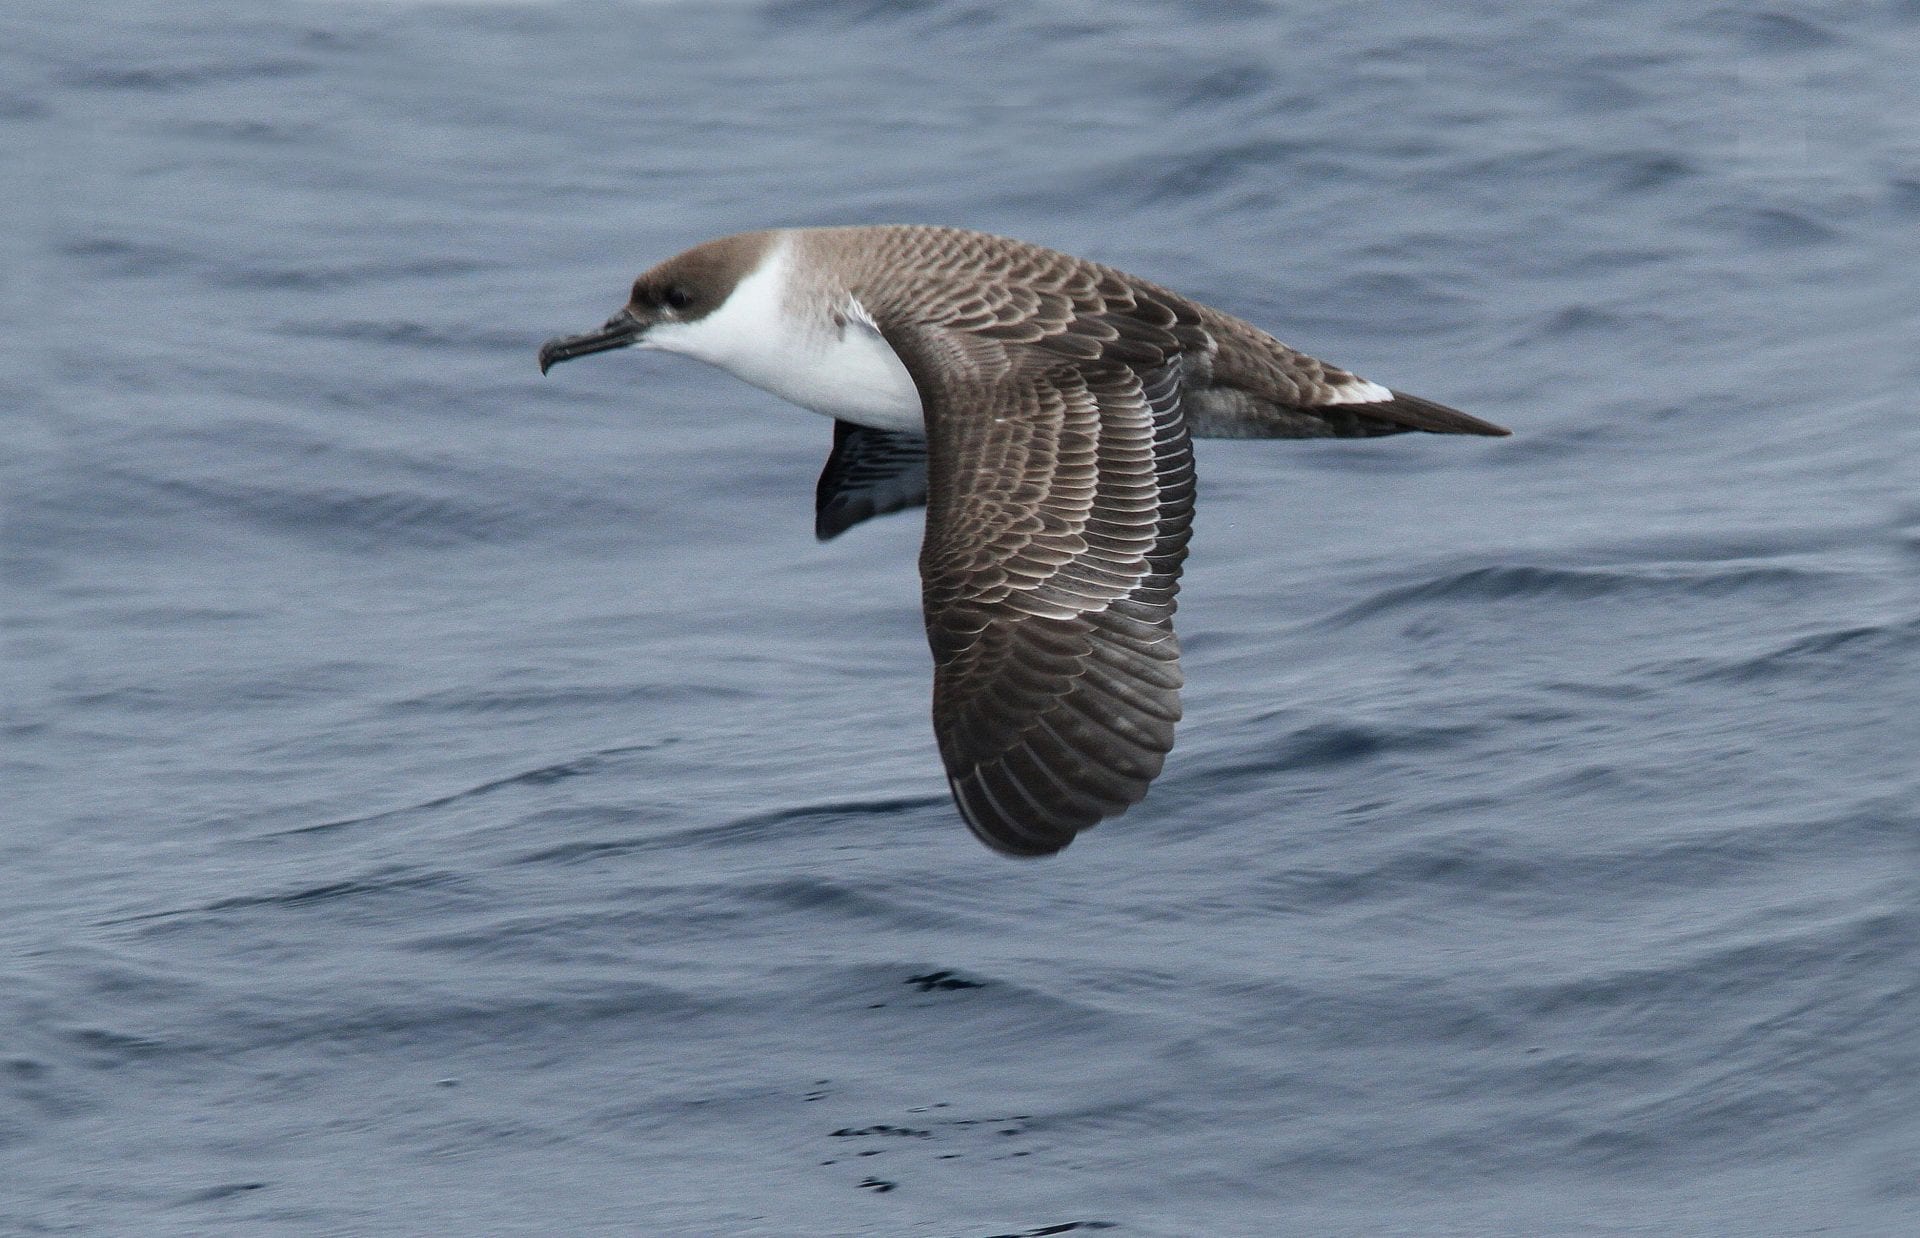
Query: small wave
[
  {"x": 166, "y": 78},
  {"x": 1327, "y": 745},
  {"x": 1214, "y": 171},
  {"x": 842, "y": 901},
  {"x": 124, "y": 257},
  {"x": 350, "y": 889},
  {"x": 15, "y": 107},
  {"x": 931, "y": 14},
  {"x": 355, "y": 518},
  {"x": 1767, "y": 1014},
  {"x": 1867, "y": 646},
  {"x": 118, "y": 256},
  {"x": 1531, "y": 878},
  {"x": 1622, "y": 172},
  {"x": 228, "y": 688},
  {"x": 418, "y": 1016},
  {"x": 1903, "y": 193},
  {"x": 252, "y": 132},
  {"x": 317, "y": 278},
  {"x": 1769, "y": 30},
  {"x": 1443, "y": 870},
  {"x": 213, "y": 1194},
  {"x": 544, "y": 775},
  {"x": 1640, "y": 171},
  {"x": 742, "y": 831},
  {"x": 1232, "y": 83},
  {"x": 1515, "y": 582},
  {"x": 1411, "y": 303},
  {"x": 375, "y": 503},
  {"x": 1574, "y": 320},
  {"x": 405, "y": 333},
  {"x": 108, "y": 1047},
  {"x": 174, "y": 616},
  {"x": 1318, "y": 747},
  {"x": 546, "y": 700},
  {"x": 1771, "y": 226}
]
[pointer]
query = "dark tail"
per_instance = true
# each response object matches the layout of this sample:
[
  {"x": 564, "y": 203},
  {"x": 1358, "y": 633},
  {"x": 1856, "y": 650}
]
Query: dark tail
[{"x": 1410, "y": 412}]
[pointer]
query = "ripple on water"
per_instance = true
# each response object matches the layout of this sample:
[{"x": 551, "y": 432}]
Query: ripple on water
[
  {"x": 1872, "y": 649},
  {"x": 173, "y": 78},
  {"x": 1770, "y": 30},
  {"x": 1549, "y": 584},
  {"x": 358, "y": 517}
]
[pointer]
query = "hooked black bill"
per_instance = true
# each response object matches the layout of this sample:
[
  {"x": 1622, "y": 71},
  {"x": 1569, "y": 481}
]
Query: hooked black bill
[{"x": 620, "y": 331}]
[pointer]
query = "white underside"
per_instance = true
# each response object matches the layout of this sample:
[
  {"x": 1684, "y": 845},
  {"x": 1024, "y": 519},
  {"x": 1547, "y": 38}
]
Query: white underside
[{"x": 844, "y": 370}]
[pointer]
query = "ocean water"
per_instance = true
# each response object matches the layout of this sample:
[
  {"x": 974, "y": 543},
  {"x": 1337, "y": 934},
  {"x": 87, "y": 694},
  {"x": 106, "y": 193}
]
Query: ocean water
[{"x": 442, "y": 800}]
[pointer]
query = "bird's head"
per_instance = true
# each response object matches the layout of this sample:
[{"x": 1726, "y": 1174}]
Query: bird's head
[{"x": 669, "y": 302}]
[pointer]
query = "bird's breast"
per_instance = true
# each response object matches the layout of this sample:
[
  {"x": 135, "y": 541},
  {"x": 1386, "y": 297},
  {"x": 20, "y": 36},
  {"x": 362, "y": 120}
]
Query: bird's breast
[
  {"x": 803, "y": 342},
  {"x": 847, "y": 371}
]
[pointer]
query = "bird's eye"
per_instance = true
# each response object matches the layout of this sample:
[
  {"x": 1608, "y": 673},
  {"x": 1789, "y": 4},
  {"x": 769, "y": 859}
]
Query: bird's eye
[{"x": 676, "y": 297}]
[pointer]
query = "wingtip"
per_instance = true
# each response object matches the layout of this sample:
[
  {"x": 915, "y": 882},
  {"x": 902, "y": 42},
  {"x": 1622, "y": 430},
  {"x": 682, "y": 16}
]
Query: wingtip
[
  {"x": 831, "y": 520},
  {"x": 1001, "y": 832}
]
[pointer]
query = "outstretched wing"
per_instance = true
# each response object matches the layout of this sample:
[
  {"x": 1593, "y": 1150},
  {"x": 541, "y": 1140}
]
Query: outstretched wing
[
  {"x": 1060, "y": 501},
  {"x": 869, "y": 473}
]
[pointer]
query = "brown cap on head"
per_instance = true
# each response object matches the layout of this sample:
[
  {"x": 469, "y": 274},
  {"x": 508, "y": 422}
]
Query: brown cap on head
[
  {"x": 691, "y": 285},
  {"x": 684, "y": 288}
]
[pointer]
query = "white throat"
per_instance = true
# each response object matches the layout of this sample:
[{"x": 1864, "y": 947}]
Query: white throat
[{"x": 802, "y": 343}]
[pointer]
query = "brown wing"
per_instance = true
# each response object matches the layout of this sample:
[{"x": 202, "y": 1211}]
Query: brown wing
[{"x": 1060, "y": 500}]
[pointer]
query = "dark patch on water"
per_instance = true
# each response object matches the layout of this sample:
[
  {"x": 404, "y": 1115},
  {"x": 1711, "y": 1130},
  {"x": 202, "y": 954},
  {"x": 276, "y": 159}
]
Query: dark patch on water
[
  {"x": 1868, "y": 649},
  {"x": 943, "y": 980},
  {"x": 542, "y": 776},
  {"x": 1770, "y": 30},
  {"x": 1773, "y": 226},
  {"x": 226, "y": 1190},
  {"x": 161, "y": 79}
]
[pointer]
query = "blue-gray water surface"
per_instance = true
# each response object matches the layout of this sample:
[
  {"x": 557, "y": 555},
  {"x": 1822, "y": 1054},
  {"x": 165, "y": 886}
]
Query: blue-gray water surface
[{"x": 445, "y": 800}]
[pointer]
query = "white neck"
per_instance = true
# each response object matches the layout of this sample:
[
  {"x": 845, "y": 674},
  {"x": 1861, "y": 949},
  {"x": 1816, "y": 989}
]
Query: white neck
[{"x": 791, "y": 338}]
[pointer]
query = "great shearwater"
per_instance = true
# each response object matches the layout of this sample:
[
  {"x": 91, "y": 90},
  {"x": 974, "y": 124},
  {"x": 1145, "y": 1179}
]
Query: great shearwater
[{"x": 1041, "y": 406}]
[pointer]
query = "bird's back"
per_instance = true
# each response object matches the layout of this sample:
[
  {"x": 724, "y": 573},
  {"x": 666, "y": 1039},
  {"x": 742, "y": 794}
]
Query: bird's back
[{"x": 974, "y": 289}]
